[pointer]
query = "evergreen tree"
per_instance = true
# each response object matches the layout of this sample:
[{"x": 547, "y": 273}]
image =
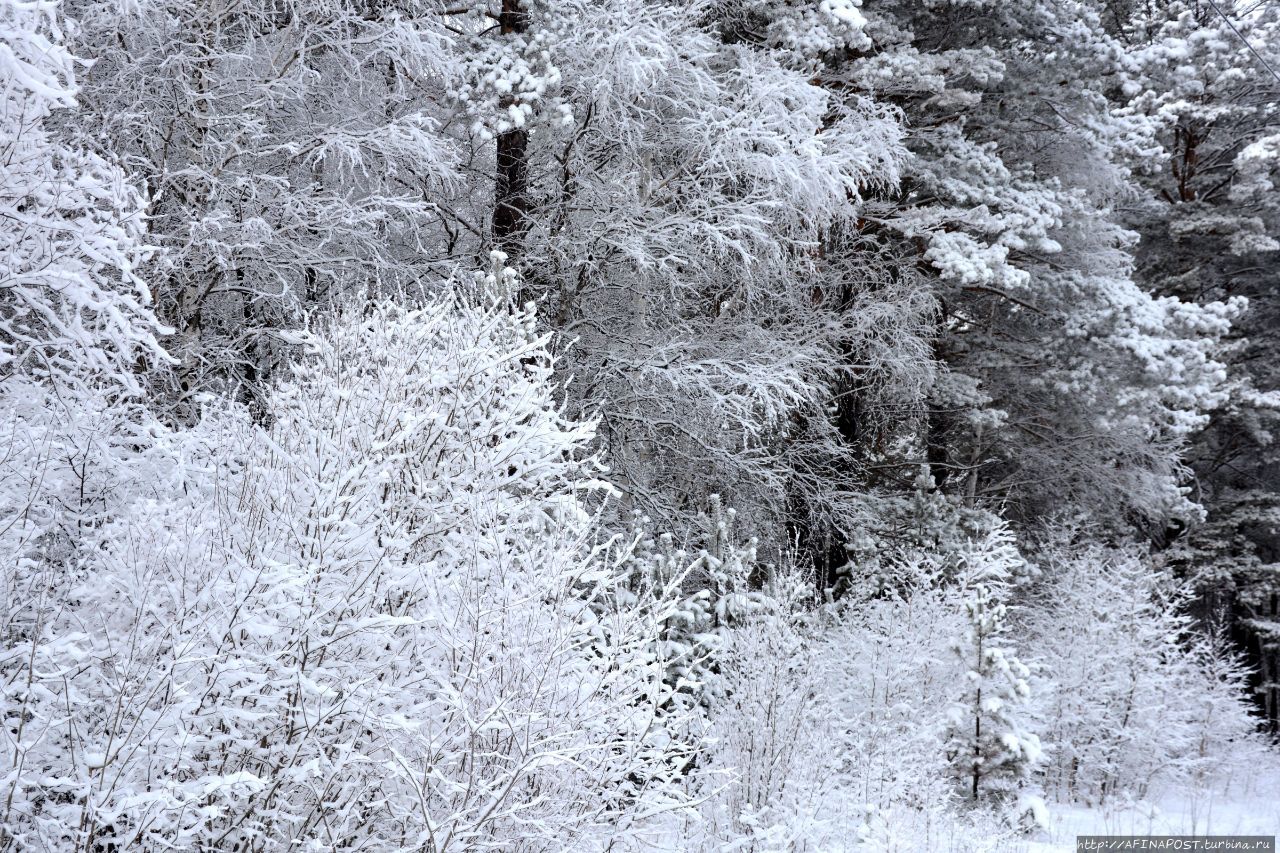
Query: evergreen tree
[
  {"x": 1205, "y": 76},
  {"x": 990, "y": 743},
  {"x": 1060, "y": 381}
]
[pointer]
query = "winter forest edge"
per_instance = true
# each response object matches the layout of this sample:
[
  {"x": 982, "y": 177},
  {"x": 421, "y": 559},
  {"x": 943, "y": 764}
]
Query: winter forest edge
[{"x": 692, "y": 425}]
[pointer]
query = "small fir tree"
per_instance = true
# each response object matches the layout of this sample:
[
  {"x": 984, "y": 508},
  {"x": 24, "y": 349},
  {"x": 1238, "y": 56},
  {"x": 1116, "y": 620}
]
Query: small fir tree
[{"x": 989, "y": 746}]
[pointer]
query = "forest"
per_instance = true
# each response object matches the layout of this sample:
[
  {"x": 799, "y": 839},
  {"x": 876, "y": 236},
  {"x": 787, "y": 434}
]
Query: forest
[{"x": 638, "y": 425}]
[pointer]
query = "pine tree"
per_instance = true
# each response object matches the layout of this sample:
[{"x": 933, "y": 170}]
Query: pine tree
[
  {"x": 990, "y": 746},
  {"x": 719, "y": 586},
  {"x": 1204, "y": 74},
  {"x": 1060, "y": 382}
]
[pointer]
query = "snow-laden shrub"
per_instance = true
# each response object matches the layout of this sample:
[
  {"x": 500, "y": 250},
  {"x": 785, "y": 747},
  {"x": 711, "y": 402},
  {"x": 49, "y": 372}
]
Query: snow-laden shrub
[
  {"x": 892, "y": 677},
  {"x": 73, "y": 458},
  {"x": 712, "y": 579},
  {"x": 379, "y": 623},
  {"x": 71, "y": 227},
  {"x": 1139, "y": 701},
  {"x": 834, "y": 729},
  {"x": 763, "y": 776}
]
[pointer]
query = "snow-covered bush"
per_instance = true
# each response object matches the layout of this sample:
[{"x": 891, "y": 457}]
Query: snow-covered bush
[
  {"x": 73, "y": 457},
  {"x": 765, "y": 777},
  {"x": 381, "y": 623},
  {"x": 889, "y": 678},
  {"x": 714, "y": 585},
  {"x": 835, "y": 723},
  {"x": 70, "y": 225},
  {"x": 1137, "y": 705}
]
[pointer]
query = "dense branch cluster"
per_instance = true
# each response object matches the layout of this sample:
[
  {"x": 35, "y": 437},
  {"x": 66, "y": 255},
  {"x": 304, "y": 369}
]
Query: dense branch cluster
[{"x": 632, "y": 424}]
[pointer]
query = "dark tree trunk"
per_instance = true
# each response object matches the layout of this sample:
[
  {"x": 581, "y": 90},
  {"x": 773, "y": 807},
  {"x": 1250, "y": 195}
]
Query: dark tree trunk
[
  {"x": 511, "y": 204},
  {"x": 938, "y": 420},
  {"x": 977, "y": 740},
  {"x": 936, "y": 451}
]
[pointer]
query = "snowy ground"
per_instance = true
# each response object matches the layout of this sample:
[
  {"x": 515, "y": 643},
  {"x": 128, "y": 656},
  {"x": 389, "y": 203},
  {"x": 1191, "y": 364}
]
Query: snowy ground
[{"x": 1250, "y": 807}]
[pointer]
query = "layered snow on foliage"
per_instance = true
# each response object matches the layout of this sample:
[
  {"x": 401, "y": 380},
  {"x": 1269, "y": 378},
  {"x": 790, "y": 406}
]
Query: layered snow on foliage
[{"x": 638, "y": 425}]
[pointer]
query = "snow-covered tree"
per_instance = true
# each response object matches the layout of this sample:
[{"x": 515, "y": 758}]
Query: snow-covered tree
[
  {"x": 1135, "y": 704},
  {"x": 379, "y": 623},
  {"x": 990, "y": 746},
  {"x": 289, "y": 158},
  {"x": 679, "y": 183},
  {"x": 1204, "y": 75},
  {"x": 720, "y": 584},
  {"x": 71, "y": 227},
  {"x": 990, "y": 743},
  {"x": 1062, "y": 382}
]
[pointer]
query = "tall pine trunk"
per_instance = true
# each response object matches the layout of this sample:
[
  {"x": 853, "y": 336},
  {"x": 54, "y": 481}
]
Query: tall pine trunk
[{"x": 511, "y": 205}]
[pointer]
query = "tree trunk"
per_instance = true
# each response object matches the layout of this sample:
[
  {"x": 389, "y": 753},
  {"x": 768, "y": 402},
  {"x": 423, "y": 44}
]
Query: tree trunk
[
  {"x": 977, "y": 738},
  {"x": 511, "y": 205}
]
